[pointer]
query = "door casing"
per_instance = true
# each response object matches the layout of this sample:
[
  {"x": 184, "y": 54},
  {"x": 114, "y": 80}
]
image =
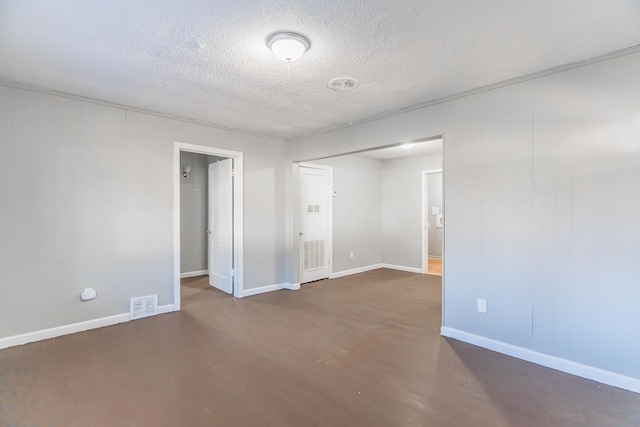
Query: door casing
[{"x": 238, "y": 213}]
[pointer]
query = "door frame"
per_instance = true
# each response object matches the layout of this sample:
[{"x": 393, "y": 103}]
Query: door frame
[
  {"x": 238, "y": 213},
  {"x": 298, "y": 200},
  {"x": 425, "y": 209}
]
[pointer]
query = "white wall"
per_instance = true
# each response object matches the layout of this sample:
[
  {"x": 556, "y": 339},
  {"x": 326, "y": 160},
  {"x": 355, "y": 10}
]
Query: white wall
[
  {"x": 87, "y": 201},
  {"x": 402, "y": 209},
  {"x": 542, "y": 207},
  {"x": 356, "y": 211}
]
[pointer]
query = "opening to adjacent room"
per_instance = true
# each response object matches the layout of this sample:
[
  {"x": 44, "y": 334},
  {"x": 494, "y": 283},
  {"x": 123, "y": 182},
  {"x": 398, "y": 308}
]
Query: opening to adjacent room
[
  {"x": 207, "y": 221},
  {"x": 383, "y": 207}
]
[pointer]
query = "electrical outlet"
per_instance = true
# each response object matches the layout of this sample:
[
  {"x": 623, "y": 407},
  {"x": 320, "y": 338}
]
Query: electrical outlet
[
  {"x": 351, "y": 254},
  {"x": 482, "y": 305}
]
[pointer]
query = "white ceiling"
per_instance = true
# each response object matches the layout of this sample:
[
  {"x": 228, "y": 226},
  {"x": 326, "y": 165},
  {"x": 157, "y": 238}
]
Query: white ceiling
[
  {"x": 207, "y": 60},
  {"x": 424, "y": 148}
]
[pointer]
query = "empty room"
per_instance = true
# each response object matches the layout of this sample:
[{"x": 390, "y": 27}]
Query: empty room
[{"x": 319, "y": 213}]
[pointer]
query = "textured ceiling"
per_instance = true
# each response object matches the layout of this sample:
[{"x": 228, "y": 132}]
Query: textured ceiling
[{"x": 207, "y": 60}]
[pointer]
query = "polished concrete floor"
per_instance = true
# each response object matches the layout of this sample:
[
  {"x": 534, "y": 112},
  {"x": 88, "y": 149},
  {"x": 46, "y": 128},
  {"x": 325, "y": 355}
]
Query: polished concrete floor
[{"x": 362, "y": 350}]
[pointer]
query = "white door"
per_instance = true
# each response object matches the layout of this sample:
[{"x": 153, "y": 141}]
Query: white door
[
  {"x": 315, "y": 223},
  {"x": 220, "y": 232}
]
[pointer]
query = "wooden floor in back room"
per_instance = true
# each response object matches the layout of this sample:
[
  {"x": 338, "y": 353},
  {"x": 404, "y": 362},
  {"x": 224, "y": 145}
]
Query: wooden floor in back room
[{"x": 362, "y": 350}]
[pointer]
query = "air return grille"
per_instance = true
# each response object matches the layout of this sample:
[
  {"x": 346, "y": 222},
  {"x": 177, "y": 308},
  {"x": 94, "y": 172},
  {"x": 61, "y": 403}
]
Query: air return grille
[{"x": 313, "y": 255}]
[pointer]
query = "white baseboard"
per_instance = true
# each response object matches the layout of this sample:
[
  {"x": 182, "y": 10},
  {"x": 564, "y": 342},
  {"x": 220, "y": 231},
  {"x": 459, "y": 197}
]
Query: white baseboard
[
  {"x": 197, "y": 273},
  {"x": 270, "y": 288},
  {"x": 261, "y": 290},
  {"x": 164, "y": 309},
  {"x": 355, "y": 271},
  {"x": 72, "y": 328},
  {"x": 553, "y": 362},
  {"x": 402, "y": 268}
]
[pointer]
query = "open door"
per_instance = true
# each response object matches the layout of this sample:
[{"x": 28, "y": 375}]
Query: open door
[
  {"x": 315, "y": 226},
  {"x": 220, "y": 231}
]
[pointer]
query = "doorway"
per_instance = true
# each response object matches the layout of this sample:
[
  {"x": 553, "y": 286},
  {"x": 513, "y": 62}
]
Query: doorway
[
  {"x": 432, "y": 221},
  {"x": 316, "y": 219},
  {"x": 222, "y": 199}
]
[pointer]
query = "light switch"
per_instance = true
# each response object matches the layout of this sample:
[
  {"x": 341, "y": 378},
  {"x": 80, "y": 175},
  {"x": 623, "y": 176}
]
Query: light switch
[{"x": 435, "y": 210}]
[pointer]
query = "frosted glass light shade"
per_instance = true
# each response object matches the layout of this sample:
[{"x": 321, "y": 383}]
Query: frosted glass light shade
[
  {"x": 288, "y": 46},
  {"x": 407, "y": 146}
]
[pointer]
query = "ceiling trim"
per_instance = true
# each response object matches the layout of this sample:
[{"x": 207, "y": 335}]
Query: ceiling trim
[
  {"x": 554, "y": 70},
  {"x": 125, "y": 107},
  {"x": 381, "y": 147},
  {"x": 538, "y": 74},
  {"x": 410, "y": 156}
]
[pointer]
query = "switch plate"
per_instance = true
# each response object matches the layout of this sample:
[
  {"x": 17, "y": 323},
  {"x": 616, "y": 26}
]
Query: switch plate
[
  {"x": 351, "y": 254},
  {"x": 482, "y": 305}
]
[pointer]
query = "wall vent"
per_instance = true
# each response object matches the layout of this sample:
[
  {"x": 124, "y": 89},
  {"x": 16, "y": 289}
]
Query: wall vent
[
  {"x": 143, "y": 306},
  {"x": 313, "y": 255}
]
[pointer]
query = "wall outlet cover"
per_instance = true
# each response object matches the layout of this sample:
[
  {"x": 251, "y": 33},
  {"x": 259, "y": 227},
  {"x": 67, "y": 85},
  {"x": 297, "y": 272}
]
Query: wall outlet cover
[
  {"x": 482, "y": 305},
  {"x": 88, "y": 294}
]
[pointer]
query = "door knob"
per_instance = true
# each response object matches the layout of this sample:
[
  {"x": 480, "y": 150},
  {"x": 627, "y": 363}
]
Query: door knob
[{"x": 208, "y": 231}]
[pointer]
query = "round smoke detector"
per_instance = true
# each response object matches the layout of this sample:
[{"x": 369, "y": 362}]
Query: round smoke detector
[{"x": 342, "y": 83}]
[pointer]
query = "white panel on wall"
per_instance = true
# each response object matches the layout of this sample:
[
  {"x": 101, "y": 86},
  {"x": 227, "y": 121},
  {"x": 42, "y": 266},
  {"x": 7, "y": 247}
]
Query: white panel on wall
[
  {"x": 91, "y": 204},
  {"x": 542, "y": 207}
]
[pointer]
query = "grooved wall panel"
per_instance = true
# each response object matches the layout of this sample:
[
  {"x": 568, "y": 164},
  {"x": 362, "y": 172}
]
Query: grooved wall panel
[{"x": 542, "y": 201}]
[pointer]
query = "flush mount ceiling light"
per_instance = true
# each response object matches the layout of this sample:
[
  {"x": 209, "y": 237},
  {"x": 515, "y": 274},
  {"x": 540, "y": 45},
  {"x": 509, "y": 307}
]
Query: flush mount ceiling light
[
  {"x": 288, "y": 46},
  {"x": 407, "y": 146}
]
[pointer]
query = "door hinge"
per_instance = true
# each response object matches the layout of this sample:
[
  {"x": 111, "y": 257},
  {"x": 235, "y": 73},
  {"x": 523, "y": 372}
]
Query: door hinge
[
  {"x": 233, "y": 173},
  {"x": 233, "y": 272}
]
